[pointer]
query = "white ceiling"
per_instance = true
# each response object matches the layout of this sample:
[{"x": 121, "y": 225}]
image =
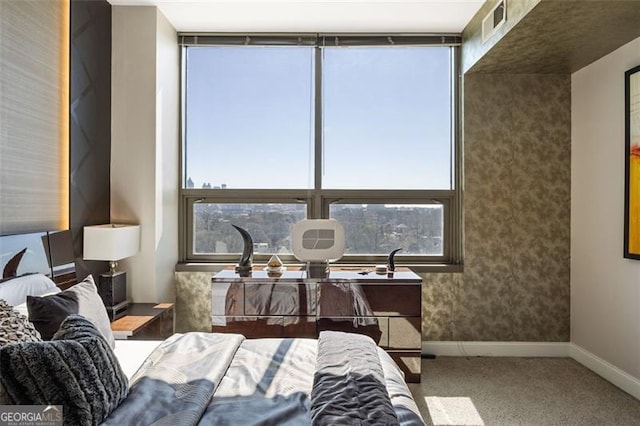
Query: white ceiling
[{"x": 408, "y": 16}]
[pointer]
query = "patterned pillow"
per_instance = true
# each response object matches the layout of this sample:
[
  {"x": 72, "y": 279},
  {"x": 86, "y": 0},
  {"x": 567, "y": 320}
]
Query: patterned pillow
[
  {"x": 77, "y": 370},
  {"x": 15, "y": 327}
]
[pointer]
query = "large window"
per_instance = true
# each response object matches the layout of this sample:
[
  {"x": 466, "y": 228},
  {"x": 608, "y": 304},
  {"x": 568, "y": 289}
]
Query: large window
[
  {"x": 360, "y": 129},
  {"x": 248, "y": 121}
]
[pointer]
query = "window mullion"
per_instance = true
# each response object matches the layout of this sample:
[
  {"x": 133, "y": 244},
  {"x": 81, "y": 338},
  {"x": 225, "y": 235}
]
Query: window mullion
[{"x": 318, "y": 163}]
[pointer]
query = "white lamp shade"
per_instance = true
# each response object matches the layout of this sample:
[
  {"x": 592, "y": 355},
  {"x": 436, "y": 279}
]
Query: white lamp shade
[{"x": 111, "y": 242}]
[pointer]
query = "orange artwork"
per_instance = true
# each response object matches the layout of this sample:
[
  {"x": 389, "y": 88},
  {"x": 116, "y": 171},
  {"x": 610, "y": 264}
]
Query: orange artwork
[
  {"x": 634, "y": 199},
  {"x": 632, "y": 231}
]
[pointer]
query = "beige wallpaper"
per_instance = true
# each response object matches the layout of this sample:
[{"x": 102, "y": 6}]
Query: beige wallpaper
[
  {"x": 517, "y": 216},
  {"x": 193, "y": 301}
]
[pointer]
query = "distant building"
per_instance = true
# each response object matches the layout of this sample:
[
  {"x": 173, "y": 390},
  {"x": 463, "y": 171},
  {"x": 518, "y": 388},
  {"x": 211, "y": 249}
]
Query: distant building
[
  {"x": 402, "y": 228},
  {"x": 260, "y": 247},
  {"x": 190, "y": 183}
]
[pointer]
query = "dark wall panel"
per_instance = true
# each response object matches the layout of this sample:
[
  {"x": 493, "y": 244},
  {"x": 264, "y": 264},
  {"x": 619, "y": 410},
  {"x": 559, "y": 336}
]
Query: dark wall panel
[{"x": 90, "y": 123}]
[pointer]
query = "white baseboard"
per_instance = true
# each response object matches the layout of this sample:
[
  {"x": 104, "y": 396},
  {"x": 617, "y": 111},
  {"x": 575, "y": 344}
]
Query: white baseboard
[
  {"x": 608, "y": 371},
  {"x": 537, "y": 349}
]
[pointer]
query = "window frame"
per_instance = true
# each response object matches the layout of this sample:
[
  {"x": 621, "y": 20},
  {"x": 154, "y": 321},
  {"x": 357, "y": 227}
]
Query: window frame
[
  {"x": 426, "y": 197},
  {"x": 236, "y": 196},
  {"x": 317, "y": 199}
]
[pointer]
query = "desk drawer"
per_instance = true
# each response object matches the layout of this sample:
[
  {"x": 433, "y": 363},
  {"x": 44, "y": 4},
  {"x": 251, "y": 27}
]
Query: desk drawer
[{"x": 394, "y": 299}]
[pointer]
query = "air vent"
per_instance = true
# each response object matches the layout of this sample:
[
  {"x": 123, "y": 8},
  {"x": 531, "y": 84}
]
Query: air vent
[{"x": 494, "y": 20}]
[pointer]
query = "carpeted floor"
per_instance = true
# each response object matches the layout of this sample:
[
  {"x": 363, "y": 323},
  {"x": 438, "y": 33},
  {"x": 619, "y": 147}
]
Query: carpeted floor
[{"x": 519, "y": 391}]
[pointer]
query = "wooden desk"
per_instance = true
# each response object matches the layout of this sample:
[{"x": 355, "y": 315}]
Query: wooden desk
[
  {"x": 145, "y": 321},
  {"x": 387, "y": 308}
]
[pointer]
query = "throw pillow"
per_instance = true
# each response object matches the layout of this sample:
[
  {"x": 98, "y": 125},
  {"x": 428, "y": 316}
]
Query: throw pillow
[
  {"x": 48, "y": 312},
  {"x": 15, "y": 327},
  {"x": 22, "y": 308},
  {"x": 77, "y": 370},
  {"x": 15, "y": 290}
]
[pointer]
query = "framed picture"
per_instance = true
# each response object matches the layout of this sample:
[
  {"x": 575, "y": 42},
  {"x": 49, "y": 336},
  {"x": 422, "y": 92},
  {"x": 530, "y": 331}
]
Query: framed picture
[{"x": 632, "y": 164}]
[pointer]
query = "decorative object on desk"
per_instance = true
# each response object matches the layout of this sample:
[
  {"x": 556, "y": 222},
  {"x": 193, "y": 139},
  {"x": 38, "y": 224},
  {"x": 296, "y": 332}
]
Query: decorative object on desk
[
  {"x": 274, "y": 262},
  {"x": 317, "y": 242},
  {"x": 275, "y": 273},
  {"x": 112, "y": 242},
  {"x": 381, "y": 269},
  {"x": 275, "y": 267},
  {"x": 244, "y": 266},
  {"x": 391, "y": 265}
]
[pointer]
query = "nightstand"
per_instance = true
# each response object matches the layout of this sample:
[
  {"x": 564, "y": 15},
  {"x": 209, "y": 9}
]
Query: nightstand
[{"x": 144, "y": 321}]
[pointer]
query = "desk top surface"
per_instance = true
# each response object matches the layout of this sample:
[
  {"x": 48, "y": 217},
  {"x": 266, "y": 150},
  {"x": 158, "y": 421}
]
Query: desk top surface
[{"x": 351, "y": 274}]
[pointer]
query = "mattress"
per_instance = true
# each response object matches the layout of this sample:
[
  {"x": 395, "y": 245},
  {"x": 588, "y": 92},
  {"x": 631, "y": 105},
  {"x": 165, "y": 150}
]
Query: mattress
[{"x": 132, "y": 353}]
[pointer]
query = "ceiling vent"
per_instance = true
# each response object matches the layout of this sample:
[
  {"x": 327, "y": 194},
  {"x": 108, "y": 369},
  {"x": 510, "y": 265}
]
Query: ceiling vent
[{"x": 494, "y": 20}]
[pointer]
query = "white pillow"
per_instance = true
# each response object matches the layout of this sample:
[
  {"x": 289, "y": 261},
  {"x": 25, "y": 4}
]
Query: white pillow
[{"x": 15, "y": 290}]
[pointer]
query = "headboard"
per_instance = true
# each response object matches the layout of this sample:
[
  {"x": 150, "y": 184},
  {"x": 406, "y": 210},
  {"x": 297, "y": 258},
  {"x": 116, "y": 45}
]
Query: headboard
[{"x": 48, "y": 253}]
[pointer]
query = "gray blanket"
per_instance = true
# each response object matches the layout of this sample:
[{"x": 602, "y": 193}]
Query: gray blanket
[{"x": 349, "y": 384}]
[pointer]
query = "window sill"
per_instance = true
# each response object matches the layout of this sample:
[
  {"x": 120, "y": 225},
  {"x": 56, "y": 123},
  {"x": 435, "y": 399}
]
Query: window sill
[{"x": 419, "y": 269}]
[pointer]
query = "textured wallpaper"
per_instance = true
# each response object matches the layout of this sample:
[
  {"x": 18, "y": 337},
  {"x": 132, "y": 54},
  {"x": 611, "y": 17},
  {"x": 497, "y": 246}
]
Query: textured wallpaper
[
  {"x": 193, "y": 301},
  {"x": 517, "y": 215},
  {"x": 473, "y": 48},
  {"x": 33, "y": 116},
  {"x": 555, "y": 36}
]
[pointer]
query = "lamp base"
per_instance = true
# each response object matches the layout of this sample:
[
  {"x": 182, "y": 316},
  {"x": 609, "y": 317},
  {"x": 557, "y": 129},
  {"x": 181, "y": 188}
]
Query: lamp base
[
  {"x": 117, "y": 311},
  {"x": 112, "y": 289}
]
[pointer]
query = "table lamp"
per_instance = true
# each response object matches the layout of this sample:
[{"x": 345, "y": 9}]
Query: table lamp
[{"x": 112, "y": 242}]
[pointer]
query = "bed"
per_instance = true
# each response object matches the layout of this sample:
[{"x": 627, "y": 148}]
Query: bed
[
  {"x": 208, "y": 378},
  {"x": 257, "y": 381}
]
